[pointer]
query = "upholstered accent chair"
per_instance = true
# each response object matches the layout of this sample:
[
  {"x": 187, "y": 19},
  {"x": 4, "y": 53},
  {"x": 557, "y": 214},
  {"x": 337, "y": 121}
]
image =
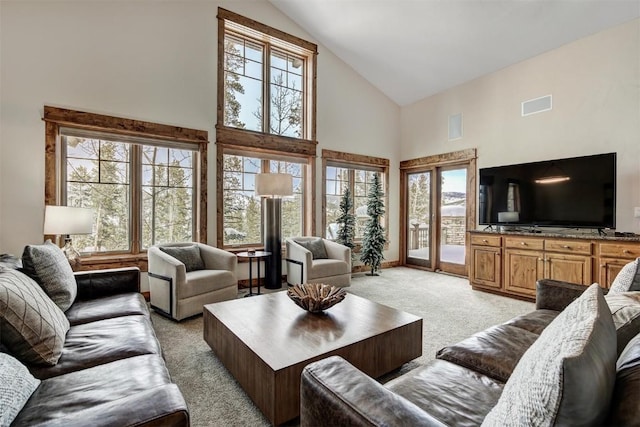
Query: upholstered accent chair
[
  {"x": 183, "y": 277},
  {"x": 317, "y": 260}
]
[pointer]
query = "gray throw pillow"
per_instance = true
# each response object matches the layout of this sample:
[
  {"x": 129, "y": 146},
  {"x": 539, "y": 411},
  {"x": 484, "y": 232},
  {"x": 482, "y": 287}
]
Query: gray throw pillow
[
  {"x": 628, "y": 279},
  {"x": 17, "y": 387},
  {"x": 315, "y": 246},
  {"x": 32, "y": 327},
  {"x": 188, "y": 255},
  {"x": 47, "y": 265},
  {"x": 567, "y": 376},
  {"x": 625, "y": 309}
]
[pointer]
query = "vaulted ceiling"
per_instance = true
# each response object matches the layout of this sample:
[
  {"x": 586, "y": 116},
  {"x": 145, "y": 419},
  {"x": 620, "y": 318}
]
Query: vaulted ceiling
[{"x": 412, "y": 49}]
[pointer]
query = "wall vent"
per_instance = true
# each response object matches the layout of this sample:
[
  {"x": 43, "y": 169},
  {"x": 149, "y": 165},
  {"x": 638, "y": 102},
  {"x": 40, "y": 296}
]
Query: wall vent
[
  {"x": 537, "y": 105},
  {"x": 455, "y": 126}
]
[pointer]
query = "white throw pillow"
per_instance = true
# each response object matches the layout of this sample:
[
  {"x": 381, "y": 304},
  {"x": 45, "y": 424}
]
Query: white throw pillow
[
  {"x": 628, "y": 279},
  {"x": 567, "y": 376},
  {"x": 16, "y": 387}
]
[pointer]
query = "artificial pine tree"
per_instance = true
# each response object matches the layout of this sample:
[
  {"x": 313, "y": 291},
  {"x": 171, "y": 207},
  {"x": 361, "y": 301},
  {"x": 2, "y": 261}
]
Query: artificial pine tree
[
  {"x": 374, "y": 240},
  {"x": 346, "y": 222}
]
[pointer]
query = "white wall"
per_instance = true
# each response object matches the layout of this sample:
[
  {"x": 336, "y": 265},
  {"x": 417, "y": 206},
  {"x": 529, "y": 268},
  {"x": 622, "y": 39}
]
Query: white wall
[
  {"x": 153, "y": 61},
  {"x": 595, "y": 83}
]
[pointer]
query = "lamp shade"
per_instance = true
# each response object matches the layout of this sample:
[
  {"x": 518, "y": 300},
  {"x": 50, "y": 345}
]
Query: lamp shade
[
  {"x": 67, "y": 220},
  {"x": 274, "y": 184}
]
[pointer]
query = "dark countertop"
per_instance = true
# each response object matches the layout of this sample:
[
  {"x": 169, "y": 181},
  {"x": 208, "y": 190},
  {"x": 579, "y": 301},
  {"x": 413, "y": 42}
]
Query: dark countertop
[{"x": 571, "y": 233}]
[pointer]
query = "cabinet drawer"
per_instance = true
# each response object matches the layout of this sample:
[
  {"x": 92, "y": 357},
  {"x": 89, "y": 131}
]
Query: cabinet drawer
[
  {"x": 523, "y": 243},
  {"x": 568, "y": 246},
  {"x": 486, "y": 240},
  {"x": 619, "y": 250}
]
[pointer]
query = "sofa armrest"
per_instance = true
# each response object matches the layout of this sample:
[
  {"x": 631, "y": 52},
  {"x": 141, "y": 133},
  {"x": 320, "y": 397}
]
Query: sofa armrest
[
  {"x": 299, "y": 261},
  {"x": 218, "y": 259},
  {"x": 334, "y": 392},
  {"x": 555, "y": 294},
  {"x": 98, "y": 283},
  {"x": 337, "y": 251}
]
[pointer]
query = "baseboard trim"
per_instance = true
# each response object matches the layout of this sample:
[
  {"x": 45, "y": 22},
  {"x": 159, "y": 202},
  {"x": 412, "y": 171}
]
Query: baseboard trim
[{"x": 365, "y": 268}]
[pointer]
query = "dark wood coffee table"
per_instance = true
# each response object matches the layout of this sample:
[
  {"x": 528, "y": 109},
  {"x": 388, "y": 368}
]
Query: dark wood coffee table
[{"x": 267, "y": 340}]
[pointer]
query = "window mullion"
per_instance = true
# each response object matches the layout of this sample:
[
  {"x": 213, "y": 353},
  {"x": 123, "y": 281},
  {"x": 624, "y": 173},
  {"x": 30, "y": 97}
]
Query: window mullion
[
  {"x": 135, "y": 214},
  {"x": 266, "y": 89}
]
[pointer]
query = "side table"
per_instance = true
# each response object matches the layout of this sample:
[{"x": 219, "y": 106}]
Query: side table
[{"x": 258, "y": 256}]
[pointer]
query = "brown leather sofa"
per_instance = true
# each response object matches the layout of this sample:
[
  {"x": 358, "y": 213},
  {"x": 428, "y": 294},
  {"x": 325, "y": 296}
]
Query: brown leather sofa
[
  {"x": 461, "y": 385},
  {"x": 111, "y": 371}
]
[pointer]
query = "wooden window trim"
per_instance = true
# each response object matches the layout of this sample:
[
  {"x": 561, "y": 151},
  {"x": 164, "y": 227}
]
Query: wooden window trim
[
  {"x": 468, "y": 158},
  {"x": 354, "y": 161},
  {"x": 297, "y": 44},
  {"x": 56, "y": 118}
]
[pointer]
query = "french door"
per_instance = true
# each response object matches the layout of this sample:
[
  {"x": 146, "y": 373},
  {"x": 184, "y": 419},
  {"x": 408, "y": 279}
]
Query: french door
[{"x": 438, "y": 207}]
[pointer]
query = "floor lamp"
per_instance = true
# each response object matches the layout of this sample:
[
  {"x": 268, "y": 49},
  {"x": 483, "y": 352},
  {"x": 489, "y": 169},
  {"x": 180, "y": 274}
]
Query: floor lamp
[{"x": 272, "y": 187}]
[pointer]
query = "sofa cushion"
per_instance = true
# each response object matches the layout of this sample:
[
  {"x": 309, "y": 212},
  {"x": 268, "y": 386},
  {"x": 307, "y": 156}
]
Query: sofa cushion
[
  {"x": 16, "y": 386},
  {"x": 47, "y": 265},
  {"x": 108, "y": 307},
  {"x": 568, "y": 374},
  {"x": 205, "y": 281},
  {"x": 327, "y": 268},
  {"x": 455, "y": 395},
  {"x": 625, "y": 309},
  {"x": 628, "y": 279},
  {"x": 66, "y": 400},
  {"x": 315, "y": 246},
  {"x": 100, "y": 342},
  {"x": 188, "y": 255},
  {"x": 535, "y": 321},
  {"x": 32, "y": 327},
  {"x": 494, "y": 352}
]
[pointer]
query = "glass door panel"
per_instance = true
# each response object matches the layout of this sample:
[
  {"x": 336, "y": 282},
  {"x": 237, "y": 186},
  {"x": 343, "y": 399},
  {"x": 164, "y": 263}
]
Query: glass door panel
[
  {"x": 453, "y": 220},
  {"x": 419, "y": 218}
]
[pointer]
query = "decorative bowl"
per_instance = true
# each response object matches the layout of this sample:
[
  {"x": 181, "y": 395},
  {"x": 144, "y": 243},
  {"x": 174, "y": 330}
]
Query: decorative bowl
[{"x": 316, "y": 297}]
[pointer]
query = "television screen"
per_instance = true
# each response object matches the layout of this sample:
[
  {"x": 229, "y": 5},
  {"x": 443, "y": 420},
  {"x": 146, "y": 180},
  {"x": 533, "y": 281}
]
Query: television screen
[{"x": 578, "y": 192}]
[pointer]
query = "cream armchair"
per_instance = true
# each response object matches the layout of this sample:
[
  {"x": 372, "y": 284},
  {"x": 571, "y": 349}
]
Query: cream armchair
[
  {"x": 317, "y": 260},
  {"x": 183, "y": 277}
]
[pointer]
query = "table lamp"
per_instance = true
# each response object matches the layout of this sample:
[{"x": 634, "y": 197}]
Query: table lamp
[
  {"x": 272, "y": 187},
  {"x": 65, "y": 221}
]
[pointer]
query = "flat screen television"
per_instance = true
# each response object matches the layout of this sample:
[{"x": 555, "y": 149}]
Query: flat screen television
[{"x": 577, "y": 192}]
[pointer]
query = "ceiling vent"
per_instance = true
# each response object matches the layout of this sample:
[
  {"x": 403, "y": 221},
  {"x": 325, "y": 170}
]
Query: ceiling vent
[{"x": 537, "y": 105}]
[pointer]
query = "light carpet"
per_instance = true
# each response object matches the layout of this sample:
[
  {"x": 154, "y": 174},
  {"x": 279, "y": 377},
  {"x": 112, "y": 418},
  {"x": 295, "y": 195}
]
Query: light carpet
[{"x": 450, "y": 309}]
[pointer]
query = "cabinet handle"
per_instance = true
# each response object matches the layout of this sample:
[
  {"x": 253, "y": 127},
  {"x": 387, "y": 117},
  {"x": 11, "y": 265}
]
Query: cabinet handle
[
  {"x": 626, "y": 251},
  {"x": 523, "y": 243},
  {"x": 485, "y": 241},
  {"x": 567, "y": 247}
]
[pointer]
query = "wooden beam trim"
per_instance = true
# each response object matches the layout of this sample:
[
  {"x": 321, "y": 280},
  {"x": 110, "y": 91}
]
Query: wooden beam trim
[
  {"x": 354, "y": 158},
  {"x": 119, "y": 125},
  {"x": 440, "y": 159},
  {"x": 270, "y": 31},
  {"x": 258, "y": 140}
]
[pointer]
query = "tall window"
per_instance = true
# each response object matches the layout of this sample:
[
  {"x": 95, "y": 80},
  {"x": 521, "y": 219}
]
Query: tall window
[
  {"x": 355, "y": 172},
  {"x": 266, "y": 124},
  {"x": 143, "y": 188},
  {"x": 268, "y": 85}
]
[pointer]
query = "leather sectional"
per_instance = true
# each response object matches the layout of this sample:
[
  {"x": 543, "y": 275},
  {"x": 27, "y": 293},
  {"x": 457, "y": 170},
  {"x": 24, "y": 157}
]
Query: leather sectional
[
  {"x": 111, "y": 371},
  {"x": 463, "y": 383}
]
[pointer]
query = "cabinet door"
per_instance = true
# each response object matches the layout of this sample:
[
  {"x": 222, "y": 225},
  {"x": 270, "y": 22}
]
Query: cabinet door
[
  {"x": 485, "y": 266},
  {"x": 568, "y": 268},
  {"x": 609, "y": 269},
  {"x": 522, "y": 269}
]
